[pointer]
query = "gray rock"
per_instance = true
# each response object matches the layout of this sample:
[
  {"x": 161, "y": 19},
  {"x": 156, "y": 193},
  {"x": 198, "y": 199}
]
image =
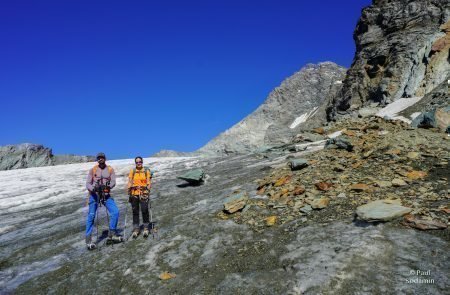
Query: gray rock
[
  {"x": 193, "y": 176},
  {"x": 398, "y": 182},
  {"x": 339, "y": 143},
  {"x": 381, "y": 210},
  {"x": 298, "y": 164},
  {"x": 306, "y": 209}
]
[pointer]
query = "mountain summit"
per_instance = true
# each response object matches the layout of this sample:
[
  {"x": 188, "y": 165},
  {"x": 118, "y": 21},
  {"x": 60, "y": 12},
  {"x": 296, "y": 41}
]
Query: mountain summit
[{"x": 286, "y": 107}]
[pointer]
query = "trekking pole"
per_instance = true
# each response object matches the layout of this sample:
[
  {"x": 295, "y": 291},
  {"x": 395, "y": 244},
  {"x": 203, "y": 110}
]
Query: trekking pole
[
  {"x": 154, "y": 230},
  {"x": 125, "y": 225},
  {"x": 96, "y": 220}
]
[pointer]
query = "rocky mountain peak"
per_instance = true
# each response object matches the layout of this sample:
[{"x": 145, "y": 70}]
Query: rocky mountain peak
[{"x": 273, "y": 122}]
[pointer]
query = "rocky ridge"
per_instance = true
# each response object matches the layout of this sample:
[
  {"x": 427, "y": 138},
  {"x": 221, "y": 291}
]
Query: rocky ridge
[
  {"x": 274, "y": 122},
  {"x": 28, "y": 155}
]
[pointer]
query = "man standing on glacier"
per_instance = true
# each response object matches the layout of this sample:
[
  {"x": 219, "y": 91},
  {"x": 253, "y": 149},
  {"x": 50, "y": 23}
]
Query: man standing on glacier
[{"x": 101, "y": 179}]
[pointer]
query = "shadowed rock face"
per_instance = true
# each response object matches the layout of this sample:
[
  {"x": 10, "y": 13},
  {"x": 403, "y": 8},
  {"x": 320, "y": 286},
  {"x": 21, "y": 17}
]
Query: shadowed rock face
[
  {"x": 302, "y": 93},
  {"x": 402, "y": 50},
  {"x": 438, "y": 98},
  {"x": 28, "y": 155}
]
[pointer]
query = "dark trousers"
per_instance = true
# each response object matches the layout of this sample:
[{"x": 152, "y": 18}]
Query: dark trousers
[{"x": 135, "y": 204}]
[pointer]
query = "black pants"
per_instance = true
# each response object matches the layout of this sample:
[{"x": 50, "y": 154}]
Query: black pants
[{"x": 135, "y": 203}]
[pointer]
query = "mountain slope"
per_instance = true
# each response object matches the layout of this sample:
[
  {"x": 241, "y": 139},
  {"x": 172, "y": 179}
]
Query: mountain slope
[{"x": 273, "y": 122}]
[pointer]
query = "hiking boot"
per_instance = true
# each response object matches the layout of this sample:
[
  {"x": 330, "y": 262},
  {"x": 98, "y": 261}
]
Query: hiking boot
[
  {"x": 114, "y": 238},
  {"x": 89, "y": 244},
  {"x": 135, "y": 233},
  {"x": 145, "y": 233}
]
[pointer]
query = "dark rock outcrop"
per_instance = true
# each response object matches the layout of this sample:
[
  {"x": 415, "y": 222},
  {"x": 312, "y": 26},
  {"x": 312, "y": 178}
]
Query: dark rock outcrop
[
  {"x": 402, "y": 50},
  {"x": 28, "y": 155}
]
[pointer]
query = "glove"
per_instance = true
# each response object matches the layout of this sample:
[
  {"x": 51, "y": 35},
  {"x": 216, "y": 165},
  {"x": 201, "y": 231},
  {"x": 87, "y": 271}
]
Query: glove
[{"x": 107, "y": 189}]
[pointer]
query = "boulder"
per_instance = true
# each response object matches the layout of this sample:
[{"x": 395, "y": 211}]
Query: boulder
[
  {"x": 298, "y": 164},
  {"x": 339, "y": 143},
  {"x": 381, "y": 210},
  {"x": 235, "y": 202},
  {"x": 195, "y": 176}
]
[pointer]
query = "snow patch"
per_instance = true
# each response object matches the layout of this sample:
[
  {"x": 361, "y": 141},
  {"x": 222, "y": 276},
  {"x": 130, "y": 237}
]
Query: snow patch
[
  {"x": 335, "y": 134},
  {"x": 303, "y": 118},
  {"x": 414, "y": 115},
  {"x": 392, "y": 109}
]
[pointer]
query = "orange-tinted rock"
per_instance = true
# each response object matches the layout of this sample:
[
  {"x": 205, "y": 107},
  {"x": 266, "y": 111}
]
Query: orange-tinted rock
[
  {"x": 167, "y": 276},
  {"x": 349, "y": 133},
  {"x": 299, "y": 190},
  {"x": 319, "y": 130},
  {"x": 271, "y": 220},
  {"x": 324, "y": 186},
  {"x": 416, "y": 175},
  {"x": 320, "y": 203},
  {"x": 393, "y": 152},
  {"x": 283, "y": 180},
  {"x": 357, "y": 164},
  {"x": 446, "y": 210},
  {"x": 423, "y": 224}
]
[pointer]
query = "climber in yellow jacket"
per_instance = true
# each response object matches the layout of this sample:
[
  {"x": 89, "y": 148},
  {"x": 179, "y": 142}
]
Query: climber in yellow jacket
[{"x": 139, "y": 185}]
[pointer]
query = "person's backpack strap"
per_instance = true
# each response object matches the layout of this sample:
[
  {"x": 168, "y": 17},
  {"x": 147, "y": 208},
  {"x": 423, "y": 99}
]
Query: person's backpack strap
[{"x": 95, "y": 168}]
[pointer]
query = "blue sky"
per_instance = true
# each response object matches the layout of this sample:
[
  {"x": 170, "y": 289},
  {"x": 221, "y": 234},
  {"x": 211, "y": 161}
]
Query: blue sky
[{"x": 135, "y": 77}]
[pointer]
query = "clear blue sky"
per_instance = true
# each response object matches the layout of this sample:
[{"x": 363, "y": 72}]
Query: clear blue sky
[{"x": 134, "y": 77}]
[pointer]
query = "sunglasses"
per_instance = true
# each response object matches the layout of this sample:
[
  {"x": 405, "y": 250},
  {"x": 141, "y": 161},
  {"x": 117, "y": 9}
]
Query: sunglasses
[
  {"x": 139, "y": 162},
  {"x": 98, "y": 159}
]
